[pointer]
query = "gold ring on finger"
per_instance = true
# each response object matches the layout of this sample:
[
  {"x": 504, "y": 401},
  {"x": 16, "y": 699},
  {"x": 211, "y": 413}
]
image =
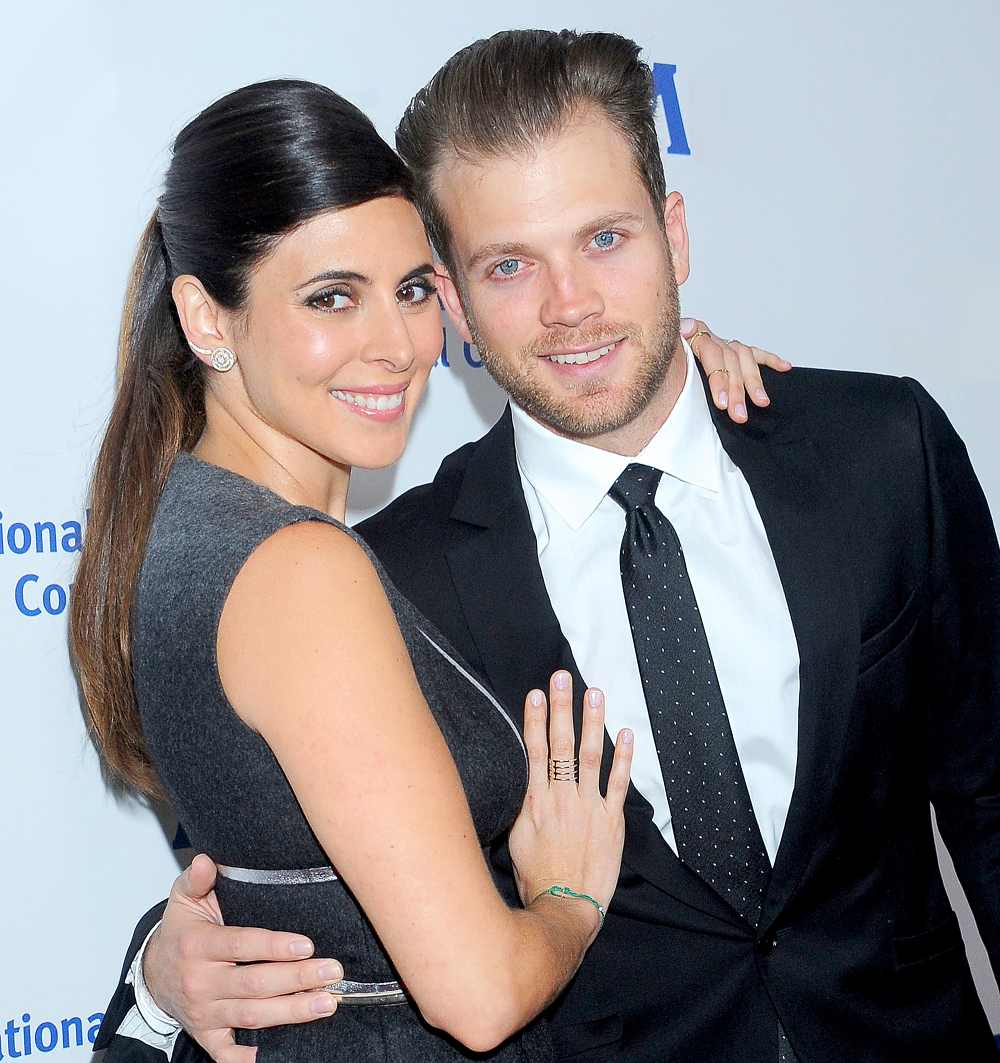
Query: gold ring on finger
[
  {"x": 700, "y": 332},
  {"x": 720, "y": 370},
  {"x": 564, "y": 770}
]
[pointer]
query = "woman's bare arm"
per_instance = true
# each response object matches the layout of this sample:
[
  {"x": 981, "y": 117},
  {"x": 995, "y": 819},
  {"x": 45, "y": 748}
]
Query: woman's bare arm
[{"x": 311, "y": 656}]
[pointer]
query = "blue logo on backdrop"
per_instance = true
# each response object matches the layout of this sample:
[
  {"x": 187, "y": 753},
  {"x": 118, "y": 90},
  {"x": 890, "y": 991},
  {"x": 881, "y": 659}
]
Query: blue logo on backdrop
[
  {"x": 666, "y": 91},
  {"x": 22, "y": 1038},
  {"x": 35, "y": 595}
]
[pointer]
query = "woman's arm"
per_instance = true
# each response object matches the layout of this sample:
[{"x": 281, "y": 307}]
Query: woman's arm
[{"x": 311, "y": 656}]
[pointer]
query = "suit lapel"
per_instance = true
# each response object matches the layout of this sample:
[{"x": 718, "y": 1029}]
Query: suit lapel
[
  {"x": 807, "y": 531},
  {"x": 494, "y": 565},
  {"x": 493, "y": 561}
]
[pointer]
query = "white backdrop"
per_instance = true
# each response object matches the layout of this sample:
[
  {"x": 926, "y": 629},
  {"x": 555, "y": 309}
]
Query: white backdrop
[{"x": 841, "y": 189}]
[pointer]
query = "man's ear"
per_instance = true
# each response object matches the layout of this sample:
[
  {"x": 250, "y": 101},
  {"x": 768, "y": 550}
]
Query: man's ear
[
  {"x": 675, "y": 226},
  {"x": 199, "y": 315},
  {"x": 448, "y": 290}
]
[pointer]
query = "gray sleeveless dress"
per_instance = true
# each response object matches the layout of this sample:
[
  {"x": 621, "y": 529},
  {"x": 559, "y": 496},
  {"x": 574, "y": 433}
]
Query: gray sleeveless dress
[{"x": 233, "y": 798}]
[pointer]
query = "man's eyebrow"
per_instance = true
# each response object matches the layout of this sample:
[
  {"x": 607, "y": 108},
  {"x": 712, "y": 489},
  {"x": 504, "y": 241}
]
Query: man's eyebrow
[
  {"x": 335, "y": 275},
  {"x": 502, "y": 249},
  {"x": 608, "y": 221}
]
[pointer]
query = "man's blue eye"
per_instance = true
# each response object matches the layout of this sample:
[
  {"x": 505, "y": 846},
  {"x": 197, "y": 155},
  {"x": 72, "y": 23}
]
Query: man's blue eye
[
  {"x": 508, "y": 267},
  {"x": 605, "y": 239}
]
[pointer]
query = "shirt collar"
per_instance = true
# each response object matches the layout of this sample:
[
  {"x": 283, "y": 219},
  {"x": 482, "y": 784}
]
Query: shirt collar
[{"x": 574, "y": 477}]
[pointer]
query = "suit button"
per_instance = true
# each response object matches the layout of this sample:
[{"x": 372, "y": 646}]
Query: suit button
[{"x": 765, "y": 946}]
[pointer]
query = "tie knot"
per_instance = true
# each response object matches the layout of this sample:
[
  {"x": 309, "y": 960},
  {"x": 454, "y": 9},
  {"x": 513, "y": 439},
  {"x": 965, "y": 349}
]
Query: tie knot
[{"x": 636, "y": 487}]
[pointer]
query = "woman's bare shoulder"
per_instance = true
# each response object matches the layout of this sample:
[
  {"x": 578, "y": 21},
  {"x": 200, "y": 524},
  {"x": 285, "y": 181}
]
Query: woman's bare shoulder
[
  {"x": 308, "y": 598},
  {"x": 303, "y": 557}
]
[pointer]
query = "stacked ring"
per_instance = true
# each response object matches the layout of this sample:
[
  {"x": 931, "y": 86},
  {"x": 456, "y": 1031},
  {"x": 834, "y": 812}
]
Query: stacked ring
[{"x": 564, "y": 770}]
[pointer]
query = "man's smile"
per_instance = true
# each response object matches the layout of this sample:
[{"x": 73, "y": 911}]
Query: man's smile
[{"x": 585, "y": 356}]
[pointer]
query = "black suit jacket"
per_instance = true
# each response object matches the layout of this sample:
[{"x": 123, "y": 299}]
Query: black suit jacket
[{"x": 889, "y": 563}]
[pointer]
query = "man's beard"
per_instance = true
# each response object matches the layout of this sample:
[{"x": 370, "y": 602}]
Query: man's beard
[{"x": 594, "y": 416}]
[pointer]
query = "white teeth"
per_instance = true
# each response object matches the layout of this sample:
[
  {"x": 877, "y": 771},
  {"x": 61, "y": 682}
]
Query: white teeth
[
  {"x": 370, "y": 402},
  {"x": 582, "y": 358}
]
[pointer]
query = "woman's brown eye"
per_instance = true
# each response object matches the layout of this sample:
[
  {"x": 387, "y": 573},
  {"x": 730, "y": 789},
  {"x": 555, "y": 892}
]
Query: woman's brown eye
[
  {"x": 330, "y": 300},
  {"x": 413, "y": 294}
]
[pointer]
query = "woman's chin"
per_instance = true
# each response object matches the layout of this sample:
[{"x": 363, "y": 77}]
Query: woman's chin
[{"x": 377, "y": 457}]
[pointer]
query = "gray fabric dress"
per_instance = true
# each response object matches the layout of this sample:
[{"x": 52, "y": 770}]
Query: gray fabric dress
[{"x": 232, "y": 796}]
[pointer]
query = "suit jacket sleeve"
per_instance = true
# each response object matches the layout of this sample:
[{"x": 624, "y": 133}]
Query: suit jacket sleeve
[
  {"x": 127, "y": 1050},
  {"x": 963, "y": 675}
]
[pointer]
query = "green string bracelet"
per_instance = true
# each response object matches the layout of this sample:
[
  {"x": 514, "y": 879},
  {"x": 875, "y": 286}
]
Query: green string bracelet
[{"x": 565, "y": 891}]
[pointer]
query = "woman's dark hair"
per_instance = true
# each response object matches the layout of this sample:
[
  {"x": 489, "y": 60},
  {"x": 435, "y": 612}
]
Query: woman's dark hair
[{"x": 248, "y": 170}]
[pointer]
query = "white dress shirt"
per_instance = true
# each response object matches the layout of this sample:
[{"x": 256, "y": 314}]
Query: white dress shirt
[{"x": 579, "y": 533}]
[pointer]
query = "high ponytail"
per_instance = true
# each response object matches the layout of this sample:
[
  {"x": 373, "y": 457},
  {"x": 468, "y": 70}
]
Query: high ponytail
[
  {"x": 158, "y": 411},
  {"x": 249, "y": 169}
]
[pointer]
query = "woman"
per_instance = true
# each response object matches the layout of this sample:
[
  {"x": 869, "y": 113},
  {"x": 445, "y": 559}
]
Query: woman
[{"x": 227, "y": 624}]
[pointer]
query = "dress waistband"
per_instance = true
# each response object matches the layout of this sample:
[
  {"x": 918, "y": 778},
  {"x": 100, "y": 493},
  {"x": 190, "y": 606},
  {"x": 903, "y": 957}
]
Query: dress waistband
[
  {"x": 304, "y": 876},
  {"x": 348, "y": 992}
]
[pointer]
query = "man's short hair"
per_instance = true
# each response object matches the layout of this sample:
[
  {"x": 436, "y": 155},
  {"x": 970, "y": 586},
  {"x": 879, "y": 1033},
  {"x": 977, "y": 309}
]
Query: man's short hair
[{"x": 505, "y": 94}]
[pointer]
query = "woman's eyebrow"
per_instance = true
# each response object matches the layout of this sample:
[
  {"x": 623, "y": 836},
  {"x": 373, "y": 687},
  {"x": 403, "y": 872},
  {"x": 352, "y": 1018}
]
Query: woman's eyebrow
[
  {"x": 417, "y": 271},
  {"x": 336, "y": 275},
  {"x": 360, "y": 278}
]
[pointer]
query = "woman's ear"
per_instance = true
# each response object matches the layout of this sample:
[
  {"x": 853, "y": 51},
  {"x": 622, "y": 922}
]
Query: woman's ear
[{"x": 199, "y": 315}]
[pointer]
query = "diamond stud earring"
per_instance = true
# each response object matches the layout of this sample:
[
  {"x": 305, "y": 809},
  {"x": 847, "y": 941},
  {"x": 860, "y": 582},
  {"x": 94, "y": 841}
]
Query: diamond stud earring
[{"x": 223, "y": 358}]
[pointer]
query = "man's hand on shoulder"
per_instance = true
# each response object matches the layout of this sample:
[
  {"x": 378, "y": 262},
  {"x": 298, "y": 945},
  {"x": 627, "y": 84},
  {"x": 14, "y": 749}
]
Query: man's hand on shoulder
[{"x": 212, "y": 978}]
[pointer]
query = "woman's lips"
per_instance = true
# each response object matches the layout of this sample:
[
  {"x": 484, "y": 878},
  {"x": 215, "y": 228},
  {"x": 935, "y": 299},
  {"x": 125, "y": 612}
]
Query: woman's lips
[{"x": 378, "y": 403}]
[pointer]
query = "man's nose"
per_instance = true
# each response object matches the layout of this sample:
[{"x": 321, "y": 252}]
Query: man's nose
[{"x": 571, "y": 298}]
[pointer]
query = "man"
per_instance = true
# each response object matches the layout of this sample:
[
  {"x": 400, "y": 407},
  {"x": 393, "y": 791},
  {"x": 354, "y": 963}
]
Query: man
[{"x": 799, "y": 619}]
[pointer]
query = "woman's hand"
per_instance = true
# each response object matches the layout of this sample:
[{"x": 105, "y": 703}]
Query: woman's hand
[
  {"x": 732, "y": 368},
  {"x": 566, "y": 833}
]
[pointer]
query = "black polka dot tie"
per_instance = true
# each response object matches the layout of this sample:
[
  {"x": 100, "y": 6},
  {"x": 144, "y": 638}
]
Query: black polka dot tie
[{"x": 714, "y": 825}]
